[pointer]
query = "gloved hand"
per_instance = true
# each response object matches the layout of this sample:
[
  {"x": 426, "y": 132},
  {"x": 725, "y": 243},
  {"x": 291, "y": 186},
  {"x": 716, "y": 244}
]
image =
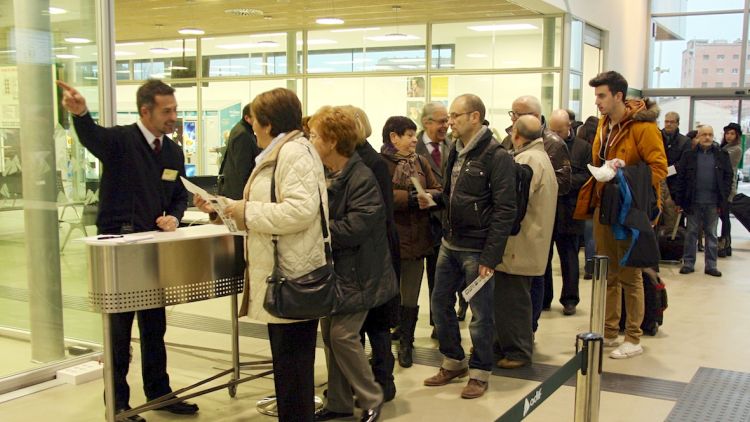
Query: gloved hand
[{"x": 413, "y": 200}]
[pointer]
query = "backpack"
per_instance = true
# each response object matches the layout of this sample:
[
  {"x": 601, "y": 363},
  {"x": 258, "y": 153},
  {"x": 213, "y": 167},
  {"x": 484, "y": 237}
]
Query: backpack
[{"x": 524, "y": 173}]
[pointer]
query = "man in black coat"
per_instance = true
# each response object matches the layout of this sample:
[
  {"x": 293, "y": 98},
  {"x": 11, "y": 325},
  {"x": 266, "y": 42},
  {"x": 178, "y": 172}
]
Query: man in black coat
[
  {"x": 701, "y": 189},
  {"x": 236, "y": 165},
  {"x": 675, "y": 145},
  {"x": 140, "y": 191},
  {"x": 567, "y": 230}
]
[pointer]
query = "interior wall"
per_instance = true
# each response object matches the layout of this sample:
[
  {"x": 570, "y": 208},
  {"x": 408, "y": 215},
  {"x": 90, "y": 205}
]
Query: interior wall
[{"x": 627, "y": 25}]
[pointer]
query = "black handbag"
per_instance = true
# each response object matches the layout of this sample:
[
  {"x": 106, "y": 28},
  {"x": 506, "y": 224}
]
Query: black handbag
[{"x": 310, "y": 296}]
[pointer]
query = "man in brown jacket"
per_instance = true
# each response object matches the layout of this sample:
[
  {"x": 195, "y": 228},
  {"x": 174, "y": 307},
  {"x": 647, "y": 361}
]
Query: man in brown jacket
[{"x": 627, "y": 131}]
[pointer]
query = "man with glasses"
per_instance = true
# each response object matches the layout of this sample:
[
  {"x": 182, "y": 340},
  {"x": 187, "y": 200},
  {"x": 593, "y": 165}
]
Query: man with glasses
[
  {"x": 434, "y": 145},
  {"x": 480, "y": 201}
]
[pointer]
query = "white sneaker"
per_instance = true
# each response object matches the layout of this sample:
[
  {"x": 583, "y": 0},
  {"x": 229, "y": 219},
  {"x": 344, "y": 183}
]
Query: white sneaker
[
  {"x": 611, "y": 342},
  {"x": 626, "y": 350}
]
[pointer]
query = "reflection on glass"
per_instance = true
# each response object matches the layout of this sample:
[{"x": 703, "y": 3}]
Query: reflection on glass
[
  {"x": 676, "y": 6},
  {"x": 163, "y": 59},
  {"x": 245, "y": 55},
  {"x": 696, "y": 51},
  {"x": 717, "y": 113},
  {"x": 679, "y": 105}
]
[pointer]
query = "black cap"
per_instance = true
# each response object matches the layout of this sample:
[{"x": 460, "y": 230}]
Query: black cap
[{"x": 735, "y": 127}]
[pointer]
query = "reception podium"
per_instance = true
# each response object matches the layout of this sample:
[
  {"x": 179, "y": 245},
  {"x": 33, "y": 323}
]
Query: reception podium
[{"x": 157, "y": 269}]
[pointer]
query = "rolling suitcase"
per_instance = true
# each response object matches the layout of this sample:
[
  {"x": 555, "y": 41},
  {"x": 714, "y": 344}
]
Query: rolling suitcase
[
  {"x": 655, "y": 297},
  {"x": 741, "y": 209},
  {"x": 672, "y": 242}
]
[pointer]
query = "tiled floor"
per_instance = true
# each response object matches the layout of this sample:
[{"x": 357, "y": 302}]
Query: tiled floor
[{"x": 705, "y": 325}]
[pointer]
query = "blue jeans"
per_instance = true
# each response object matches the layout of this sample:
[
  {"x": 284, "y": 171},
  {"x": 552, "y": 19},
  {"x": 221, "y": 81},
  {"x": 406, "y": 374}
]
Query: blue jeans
[
  {"x": 454, "y": 268},
  {"x": 706, "y": 217}
]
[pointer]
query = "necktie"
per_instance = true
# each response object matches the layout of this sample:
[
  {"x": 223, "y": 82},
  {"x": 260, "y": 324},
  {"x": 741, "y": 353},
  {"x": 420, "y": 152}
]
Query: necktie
[
  {"x": 436, "y": 157},
  {"x": 157, "y": 145}
]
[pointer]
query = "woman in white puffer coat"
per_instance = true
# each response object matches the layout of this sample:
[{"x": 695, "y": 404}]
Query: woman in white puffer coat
[{"x": 295, "y": 219}]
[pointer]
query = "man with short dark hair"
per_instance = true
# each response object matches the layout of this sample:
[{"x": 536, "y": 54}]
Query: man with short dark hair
[
  {"x": 627, "y": 131},
  {"x": 480, "y": 198},
  {"x": 140, "y": 191}
]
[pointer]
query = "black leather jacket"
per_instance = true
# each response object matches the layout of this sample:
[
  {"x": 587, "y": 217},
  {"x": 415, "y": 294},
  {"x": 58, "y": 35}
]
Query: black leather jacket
[{"x": 481, "y": 207}]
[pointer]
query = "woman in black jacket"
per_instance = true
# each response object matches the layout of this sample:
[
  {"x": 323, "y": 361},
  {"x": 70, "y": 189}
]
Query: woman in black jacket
[{"x": 361, "y": 260}]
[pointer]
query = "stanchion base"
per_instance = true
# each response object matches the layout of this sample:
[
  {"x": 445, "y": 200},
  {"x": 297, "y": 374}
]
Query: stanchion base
[{"x": 267, "y": 406}]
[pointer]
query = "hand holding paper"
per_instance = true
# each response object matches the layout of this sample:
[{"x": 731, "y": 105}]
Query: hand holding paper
[{"x": 425, "y": 199}]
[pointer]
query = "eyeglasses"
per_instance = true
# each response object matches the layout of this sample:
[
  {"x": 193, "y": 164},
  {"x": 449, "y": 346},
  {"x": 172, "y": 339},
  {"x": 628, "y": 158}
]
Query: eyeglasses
[
  {"x": 514, "y": 115},
  {"x": 454, "y": 116},
  {"x": 440, "y": 122}
]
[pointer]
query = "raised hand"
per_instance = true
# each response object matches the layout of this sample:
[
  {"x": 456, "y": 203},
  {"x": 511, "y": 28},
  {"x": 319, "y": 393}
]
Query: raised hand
[{"x": 72, "y": 100}]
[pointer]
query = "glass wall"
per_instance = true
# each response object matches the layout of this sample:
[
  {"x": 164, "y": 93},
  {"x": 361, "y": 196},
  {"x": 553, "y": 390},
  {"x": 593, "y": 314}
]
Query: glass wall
[{"x": 47, "y": 185}]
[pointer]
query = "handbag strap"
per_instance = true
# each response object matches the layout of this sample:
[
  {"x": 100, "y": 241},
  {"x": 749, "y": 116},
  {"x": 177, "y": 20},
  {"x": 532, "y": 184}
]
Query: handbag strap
[{"x": 323, "y": 225}]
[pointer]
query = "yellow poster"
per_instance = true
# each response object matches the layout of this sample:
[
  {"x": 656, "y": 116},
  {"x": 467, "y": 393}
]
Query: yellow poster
[{"x": 439, "y": 86}]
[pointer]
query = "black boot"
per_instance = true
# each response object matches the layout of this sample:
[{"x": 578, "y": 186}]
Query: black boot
[
  {"x": 383, "y": 362},
  {"x": 406, "y": 344}
]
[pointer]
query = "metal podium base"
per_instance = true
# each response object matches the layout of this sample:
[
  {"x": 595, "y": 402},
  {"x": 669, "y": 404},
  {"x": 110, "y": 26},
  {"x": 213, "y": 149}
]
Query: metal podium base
[{"x": 267, "y": 406}]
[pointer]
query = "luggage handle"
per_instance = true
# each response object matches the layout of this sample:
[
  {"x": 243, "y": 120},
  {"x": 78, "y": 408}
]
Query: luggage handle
[{"x": 676, "y": 225}]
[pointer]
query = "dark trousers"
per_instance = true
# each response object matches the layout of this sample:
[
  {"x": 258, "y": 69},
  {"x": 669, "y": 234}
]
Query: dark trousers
[
  {"x": 537, "y": 297},
  {"x": 513, "y": 317},
  {"x": 293, "y": 353},
  {"x": 152, "y": 324},
  {"x": 567, "y": 250},
  {"x": 726, "y": 228},
  {"x": 431, "y": 263}
]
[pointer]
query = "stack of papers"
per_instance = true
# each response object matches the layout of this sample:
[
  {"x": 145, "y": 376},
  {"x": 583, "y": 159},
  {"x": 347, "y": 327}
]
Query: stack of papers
[{"x": 218, "y": 202}]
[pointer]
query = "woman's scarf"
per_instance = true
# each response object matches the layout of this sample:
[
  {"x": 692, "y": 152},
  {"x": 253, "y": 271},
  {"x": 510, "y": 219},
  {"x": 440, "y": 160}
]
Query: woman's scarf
[{"x": 406, "y": 167}]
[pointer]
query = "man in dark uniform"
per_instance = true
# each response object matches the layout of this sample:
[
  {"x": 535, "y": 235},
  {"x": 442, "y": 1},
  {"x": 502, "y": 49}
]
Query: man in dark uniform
[
  {"x": 140, "y": 191},
  {"x": 236, "y": 165}
]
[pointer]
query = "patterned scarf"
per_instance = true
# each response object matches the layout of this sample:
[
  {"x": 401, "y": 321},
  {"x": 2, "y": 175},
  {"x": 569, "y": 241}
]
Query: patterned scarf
[{"x": 406, "y": 167}]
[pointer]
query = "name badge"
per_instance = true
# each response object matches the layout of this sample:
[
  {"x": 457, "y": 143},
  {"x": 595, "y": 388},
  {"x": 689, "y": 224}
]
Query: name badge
[{"x": 169, "y": 175}]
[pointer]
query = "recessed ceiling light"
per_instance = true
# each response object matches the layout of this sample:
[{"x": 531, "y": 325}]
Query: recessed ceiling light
[
  {"x": 503, "y": 27},
  {"x": 159, "y": 50},
  {"x": 191, "y": 31},
  {"x": 244, "y": 11},
  {"x": 76, "y": 40},
  {"x": 268, "y": 43},
  {"x": 329, "y": 21},
  {"x": 66, "y": 56},
  {"x": 57, "y": 11}
]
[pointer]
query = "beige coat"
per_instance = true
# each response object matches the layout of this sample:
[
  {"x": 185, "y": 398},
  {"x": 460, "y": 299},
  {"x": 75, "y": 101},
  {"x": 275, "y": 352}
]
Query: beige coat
[
  {"x": 526, "y": 253},
  {"x": 295, "y": 218}
]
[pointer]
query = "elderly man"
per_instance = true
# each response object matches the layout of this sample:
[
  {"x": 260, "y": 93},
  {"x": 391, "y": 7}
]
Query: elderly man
[
  {"x": 433, "y": 144},
  {"x": 701, "y": 189},
  {"x": 526, "y": 253},
  {"x": 567, "y": 230},
  {"x": 528, "y": 105},
  {"x": 675, "y": 145},
  {"x": 480, "y": 196}
]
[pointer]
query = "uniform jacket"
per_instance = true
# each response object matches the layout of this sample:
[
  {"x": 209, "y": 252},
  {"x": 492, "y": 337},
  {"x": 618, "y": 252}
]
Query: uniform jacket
[
  {"x": 413, "y": 224},
  {"x": 239, "y": 160},
  {"x": 526, "y": 252},
  {"x": 636, "y": 138},
  {"x": 684, "y": 190},
  {"x": 137, "y": 185},
  {"x": 359, "y": 240},
  {"x": 481, "y": 207},
  {"x": 295, "y": 218}
]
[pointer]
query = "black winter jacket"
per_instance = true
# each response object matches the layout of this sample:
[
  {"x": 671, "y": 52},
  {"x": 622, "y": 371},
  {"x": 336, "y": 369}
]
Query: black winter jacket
[
  {"x": 238, "y": 161},
  {"x": 675, "y": 149},
  {"x": 687, "y": 175},
  {"x": 481, "y": 208},
  {"x": 580, "y": 155},
  {"x": 358, "y": 239}
]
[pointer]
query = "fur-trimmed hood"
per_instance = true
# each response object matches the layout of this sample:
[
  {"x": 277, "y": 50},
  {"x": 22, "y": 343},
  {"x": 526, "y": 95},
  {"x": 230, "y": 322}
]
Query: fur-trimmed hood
[{"x": 641, "y": 110}]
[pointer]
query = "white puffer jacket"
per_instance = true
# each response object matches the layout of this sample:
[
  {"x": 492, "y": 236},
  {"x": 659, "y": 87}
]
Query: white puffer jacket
[{"x": 295, "y": 218}]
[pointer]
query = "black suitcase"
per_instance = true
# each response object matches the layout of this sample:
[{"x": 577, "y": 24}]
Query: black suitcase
[
  {"x": 672, "y": 241},
  {"x": 741, "y": 209},
  {"x": 655, "y": 296}
]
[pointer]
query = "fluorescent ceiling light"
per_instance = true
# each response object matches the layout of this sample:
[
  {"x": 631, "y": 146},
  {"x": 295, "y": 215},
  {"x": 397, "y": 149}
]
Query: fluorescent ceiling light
[
  {"x": 329, "y": 21},
  {"x": 318, "y": 41},
  {"x": 392, "y": 37},
  {"x": 57, "y": 11},
  {"x": 159, "y": 50},
  {"x": 123, "y": 53},
  {"x": 272, "y": 34},
  {"x": 503, "y": 27},
  {"x": 191, "y": 31},
  {"x": 476, "y": 55},
  {"x": 77, "y": 40},
  {"x": 176, "y": 68},
  {"x": 66, "y": 56},
  {"x": 355, "y": 29}
]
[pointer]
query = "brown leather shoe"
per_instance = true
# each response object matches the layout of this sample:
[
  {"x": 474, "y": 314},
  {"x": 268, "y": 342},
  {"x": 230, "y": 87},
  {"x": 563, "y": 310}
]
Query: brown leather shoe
[
  {"x": 506, "y": 363},
  {"x": 474, "y": 389},
  {"x": 444, "y": 376}
]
